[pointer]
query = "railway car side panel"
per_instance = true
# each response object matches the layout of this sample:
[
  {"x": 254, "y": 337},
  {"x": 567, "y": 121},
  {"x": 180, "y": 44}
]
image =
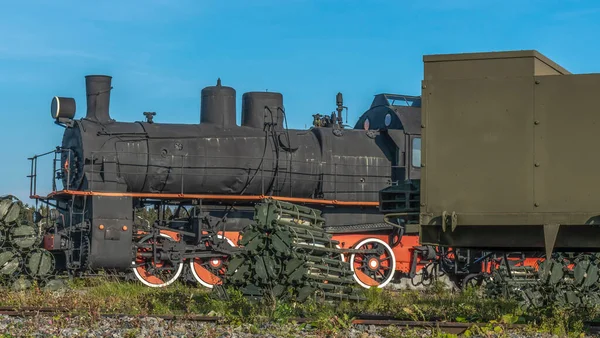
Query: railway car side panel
[
  {"x": 566, "y": 147},
  {"x": 477, "y": 140},
  {"x": 507, "y": 153}
]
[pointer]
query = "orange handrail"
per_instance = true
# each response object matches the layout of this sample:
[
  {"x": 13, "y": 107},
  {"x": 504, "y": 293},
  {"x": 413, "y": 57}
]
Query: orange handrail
[{"x": 211, "y": 197}]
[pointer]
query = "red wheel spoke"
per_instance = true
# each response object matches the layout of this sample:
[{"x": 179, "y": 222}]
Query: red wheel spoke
[{"x": 373, "y": 269}]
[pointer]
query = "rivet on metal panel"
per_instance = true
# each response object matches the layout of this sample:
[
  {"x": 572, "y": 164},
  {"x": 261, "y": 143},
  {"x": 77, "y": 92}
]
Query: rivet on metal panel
[
  {"x": 422, "y": 126},
  {"x": 537, "y": 81},
  {"x": 424, "y": 86},
  {"x": 536, "y": 122},
  {"x": 536, "y": 204},
  {"x": 422, "y": 204},
  {"x": 537, "y": 164}
]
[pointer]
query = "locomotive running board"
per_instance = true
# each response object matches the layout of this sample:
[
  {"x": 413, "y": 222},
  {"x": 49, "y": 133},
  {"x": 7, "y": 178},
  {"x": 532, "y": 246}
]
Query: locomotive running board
[{"x": 208, "y": 197}]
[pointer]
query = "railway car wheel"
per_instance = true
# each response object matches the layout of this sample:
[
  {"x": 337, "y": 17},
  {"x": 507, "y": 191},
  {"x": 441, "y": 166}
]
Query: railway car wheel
[
  {"x": 208, "y": 272},
  {"x": 373, "y": 269},
  {"x": 145, "y": 274}
]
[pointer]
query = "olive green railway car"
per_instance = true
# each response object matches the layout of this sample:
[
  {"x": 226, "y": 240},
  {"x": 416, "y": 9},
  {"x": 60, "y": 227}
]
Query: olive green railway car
[{"x": 510, "y": 156}]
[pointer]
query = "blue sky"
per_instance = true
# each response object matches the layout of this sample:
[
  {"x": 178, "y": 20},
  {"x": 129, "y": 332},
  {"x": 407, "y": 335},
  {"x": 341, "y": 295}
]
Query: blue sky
[{"x": 161, "y": 53}]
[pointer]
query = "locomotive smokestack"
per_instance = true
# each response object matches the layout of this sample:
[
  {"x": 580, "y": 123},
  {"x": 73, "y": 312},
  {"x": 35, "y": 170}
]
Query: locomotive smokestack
[{"x": 97, "y": 89}]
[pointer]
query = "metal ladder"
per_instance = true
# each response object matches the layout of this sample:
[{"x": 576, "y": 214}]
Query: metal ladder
[{"x": 77, "y": 232}]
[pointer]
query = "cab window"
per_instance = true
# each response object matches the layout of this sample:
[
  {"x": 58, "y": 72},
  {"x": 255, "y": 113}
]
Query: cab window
[{"x": 416, "y": 152}]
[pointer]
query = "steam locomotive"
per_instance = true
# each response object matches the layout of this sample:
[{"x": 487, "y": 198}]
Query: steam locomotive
[
  {"x": 497, "y": 148},
  {"x": 213, "y": 173}
]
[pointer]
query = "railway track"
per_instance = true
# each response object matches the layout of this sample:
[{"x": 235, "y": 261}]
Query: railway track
[
  {"x": 592, "y": 328},
  {"x": 367, "y": 320}
]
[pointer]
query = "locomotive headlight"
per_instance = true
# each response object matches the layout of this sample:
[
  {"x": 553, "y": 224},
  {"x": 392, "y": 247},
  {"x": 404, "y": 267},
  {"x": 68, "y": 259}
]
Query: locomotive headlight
[{"x": 62, "y": 107}]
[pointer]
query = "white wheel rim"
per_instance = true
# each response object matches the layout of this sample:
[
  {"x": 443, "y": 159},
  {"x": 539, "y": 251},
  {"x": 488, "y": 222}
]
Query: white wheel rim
[
  {"x": 167, "y": 283},
  {"x": 392, "y": 258},
  {"x": 196, "y": 277}
]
